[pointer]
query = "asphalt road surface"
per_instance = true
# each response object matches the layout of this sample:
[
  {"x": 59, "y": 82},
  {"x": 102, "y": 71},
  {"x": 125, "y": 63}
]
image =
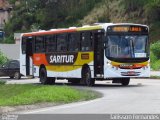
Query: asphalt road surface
[{"x": 141, "y": 96}]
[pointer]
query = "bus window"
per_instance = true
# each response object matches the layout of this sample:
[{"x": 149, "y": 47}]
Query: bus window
[
  {"x": 61, "y": 42},
  {"x": 39, "y": 44},
  {"x": 50, "y": 43},
  {"x": 86, "y": 41},
  {"x": 24, "y": 45},
  {"x": 74, "y": 41},
  {"x": 27, "y": 45}
]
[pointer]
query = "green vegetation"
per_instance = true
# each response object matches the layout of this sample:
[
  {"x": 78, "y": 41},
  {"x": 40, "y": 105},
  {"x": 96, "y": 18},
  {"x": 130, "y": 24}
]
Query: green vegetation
[
  {"x": 155, "y": 77},
  {"x": 155, "y": 55},
  {"x": 2, "y": 82},
  {"x": 11, "y": 95},
  {"x": 31, "y": 15},
  {"x": 3, "y": 58}
]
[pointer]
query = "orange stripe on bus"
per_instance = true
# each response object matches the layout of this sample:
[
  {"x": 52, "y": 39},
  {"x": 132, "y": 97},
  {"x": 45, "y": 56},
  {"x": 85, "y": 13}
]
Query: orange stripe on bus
[
  {"x": 49, "y": 32},
  {"x": 39, "y": 59}
]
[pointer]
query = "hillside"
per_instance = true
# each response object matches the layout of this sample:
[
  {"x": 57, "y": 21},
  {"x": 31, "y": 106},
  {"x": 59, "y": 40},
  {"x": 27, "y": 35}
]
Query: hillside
[
  {"x": 130, "y": 11},
  {"x": 46, "y": 14}
]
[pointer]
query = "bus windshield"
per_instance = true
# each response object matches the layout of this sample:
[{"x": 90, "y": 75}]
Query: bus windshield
[{"x": 127, "y": 46}]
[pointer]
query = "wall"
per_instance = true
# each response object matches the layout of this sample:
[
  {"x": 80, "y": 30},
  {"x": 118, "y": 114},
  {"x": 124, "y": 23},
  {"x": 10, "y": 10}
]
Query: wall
[{"x": 12, "y": 51}]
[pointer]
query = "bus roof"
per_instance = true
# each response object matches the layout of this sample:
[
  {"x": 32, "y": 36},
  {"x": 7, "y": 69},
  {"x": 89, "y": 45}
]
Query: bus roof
[
  {"x": 84, "y": 28},
  {"x": 57, "y": 31},
  {"x": 65, "y": 30},
  {"x": 96, "y": 26}
]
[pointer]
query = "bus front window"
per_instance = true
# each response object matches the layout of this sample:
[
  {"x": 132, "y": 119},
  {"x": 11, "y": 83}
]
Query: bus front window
[{"x": 127, "y": 46}]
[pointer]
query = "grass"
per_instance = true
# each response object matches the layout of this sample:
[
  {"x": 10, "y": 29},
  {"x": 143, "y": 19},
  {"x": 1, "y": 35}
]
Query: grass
[
  {"x": 2, "y": 82},
  {"x": 155, "y": 77},
  {"x": 13, "y": 95},
  {"x": 154, "y": 56}
]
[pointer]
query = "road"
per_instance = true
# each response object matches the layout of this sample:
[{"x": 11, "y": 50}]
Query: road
[{"x": 141, "y": 96}]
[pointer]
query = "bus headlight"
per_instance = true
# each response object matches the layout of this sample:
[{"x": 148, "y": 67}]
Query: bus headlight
[
  {"x": 115, "y": 68},
  {"x": 109, "y": 64},
  {"x": 144, "y": 68}
]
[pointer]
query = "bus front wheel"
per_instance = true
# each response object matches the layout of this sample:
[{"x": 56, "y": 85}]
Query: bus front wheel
[
  {"x": 125, "y": 81},
  {"x": 86, "y": 76}
]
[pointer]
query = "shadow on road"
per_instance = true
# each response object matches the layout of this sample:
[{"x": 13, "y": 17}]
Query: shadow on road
[
  {"x": 95, "y": 86},
  {"x": 10, "y": 79},
  {"x": 99, "y": 84}
]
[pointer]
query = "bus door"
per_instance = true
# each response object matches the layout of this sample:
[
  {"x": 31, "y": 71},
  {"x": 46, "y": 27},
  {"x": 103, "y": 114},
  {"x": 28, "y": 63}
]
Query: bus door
[
  {"x": 27, "y": 52},
  {"x": 98, "y": 53}
]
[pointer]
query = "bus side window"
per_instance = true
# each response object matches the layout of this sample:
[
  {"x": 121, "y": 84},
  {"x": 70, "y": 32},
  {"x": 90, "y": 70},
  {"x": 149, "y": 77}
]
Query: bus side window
[
  {"x": 23, "y": 45},
  {"x": 61, "y": 42},
  {"x": 39, "y": 44},
  {"x": 86, "y": 41},
  {"x": 74, "y": 41},
  {"x": 50, "y": 43}
]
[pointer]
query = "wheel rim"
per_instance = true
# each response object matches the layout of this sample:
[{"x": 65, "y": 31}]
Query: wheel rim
[{"x": 16, "y": 75}]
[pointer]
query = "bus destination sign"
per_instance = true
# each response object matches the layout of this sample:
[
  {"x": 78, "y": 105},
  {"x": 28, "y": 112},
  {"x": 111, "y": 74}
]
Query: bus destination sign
[{"x": 127, "y": 29}]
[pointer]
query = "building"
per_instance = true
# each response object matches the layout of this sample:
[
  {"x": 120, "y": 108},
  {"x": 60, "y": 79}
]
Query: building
[{"x": 5, "y": 12}]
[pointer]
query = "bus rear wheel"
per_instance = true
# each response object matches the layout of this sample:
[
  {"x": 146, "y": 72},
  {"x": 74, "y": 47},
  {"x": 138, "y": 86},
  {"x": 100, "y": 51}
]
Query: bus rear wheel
[
  {"x": 125, "y": 81},
  {"x": 86, "y": 77},
  {"x": 44, "y": 79}
]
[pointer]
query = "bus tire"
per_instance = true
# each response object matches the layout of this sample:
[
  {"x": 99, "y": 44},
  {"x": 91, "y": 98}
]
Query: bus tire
[
  {"x": 86, "y": 76},
  {"x": 125, "y": 81},
  {"x": 43, "y": 76}
]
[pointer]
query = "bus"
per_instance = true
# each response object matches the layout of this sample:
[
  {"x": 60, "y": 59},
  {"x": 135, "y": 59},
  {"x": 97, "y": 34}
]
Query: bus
[{"x": 104, "y": 51}]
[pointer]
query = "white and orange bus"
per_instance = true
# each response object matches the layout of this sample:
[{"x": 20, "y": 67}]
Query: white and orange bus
[{"x": 84, "y": 54}]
